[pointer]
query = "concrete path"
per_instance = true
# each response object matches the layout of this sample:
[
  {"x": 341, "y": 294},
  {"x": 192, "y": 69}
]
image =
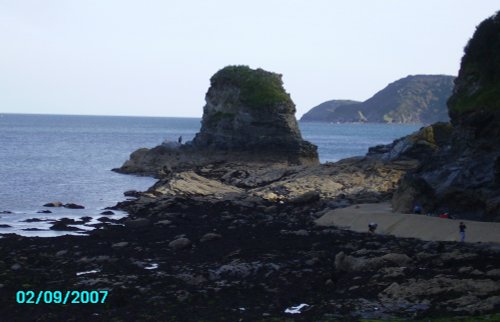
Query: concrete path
[{"x": 358, "y": 217}]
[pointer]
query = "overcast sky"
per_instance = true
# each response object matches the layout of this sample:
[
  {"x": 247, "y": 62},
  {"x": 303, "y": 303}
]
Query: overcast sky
[{"x": 155, "y": 58}]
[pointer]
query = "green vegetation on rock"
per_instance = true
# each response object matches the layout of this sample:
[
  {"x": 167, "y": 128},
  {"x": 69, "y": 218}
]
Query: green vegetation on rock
[
  {"x": 258, "y": 88},
  {"x": 248, "y": 110},
  {"x": 478, "y": 83},
  {"x": 434, "y": 135}
]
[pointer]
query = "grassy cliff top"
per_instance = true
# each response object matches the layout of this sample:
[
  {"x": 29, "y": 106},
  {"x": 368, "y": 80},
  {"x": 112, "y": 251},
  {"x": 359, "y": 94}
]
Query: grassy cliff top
[
  {"x": 258, "y": 88},
  {"x": 478, "y": 83}
]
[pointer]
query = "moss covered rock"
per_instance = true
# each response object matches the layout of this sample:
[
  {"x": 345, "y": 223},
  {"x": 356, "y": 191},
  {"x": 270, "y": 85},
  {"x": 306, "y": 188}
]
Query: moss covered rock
[
  {"x": 256, "y": 88},
  {"x": 249, "y": 110},
  {"x": 477, "y": 87}
]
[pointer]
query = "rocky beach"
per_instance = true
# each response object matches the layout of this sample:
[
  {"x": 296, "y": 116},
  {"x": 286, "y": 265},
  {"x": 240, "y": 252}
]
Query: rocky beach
[
  {"x": 189, "y": 260},
  {"x": 230, "y": 230}
]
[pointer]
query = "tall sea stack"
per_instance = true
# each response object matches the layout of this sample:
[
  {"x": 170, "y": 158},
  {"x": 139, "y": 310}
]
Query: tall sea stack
[
  {"x": 248, "y": 117},
  {"x": 249, "y": 110}
]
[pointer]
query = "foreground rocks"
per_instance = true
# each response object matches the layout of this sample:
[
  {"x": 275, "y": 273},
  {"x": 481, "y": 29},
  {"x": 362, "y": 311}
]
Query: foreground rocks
[
  {"x": 237, "y": 242},
  {"x": 219, "y": 261}
]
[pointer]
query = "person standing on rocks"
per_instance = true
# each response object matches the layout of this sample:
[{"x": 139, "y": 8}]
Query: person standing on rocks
[
  {"x": 180, "y": 139},
  {"x": 462, "y": 228}
]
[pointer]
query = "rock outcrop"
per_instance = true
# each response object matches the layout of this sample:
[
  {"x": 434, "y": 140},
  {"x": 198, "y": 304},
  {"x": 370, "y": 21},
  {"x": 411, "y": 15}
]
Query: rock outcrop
[
  {"x": 462, "y": 174},
  {"x": 413, "y": 99},
  {"x": 248, "y": 117}
]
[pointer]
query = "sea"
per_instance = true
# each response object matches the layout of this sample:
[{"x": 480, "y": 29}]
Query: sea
[{"x": 67, "y": 158}]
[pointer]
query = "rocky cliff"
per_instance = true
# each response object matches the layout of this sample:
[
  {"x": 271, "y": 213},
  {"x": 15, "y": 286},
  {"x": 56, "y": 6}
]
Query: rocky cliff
[
  {"x": 413, "y": 99},
  {"x": 462, "y": 174},
  {"x": 248, "y": 117},
  {"x": 248, "y": 110}
]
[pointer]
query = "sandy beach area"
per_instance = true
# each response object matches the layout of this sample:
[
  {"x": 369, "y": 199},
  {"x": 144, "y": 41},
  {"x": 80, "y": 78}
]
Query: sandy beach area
[{"x": 357, "y": 218}]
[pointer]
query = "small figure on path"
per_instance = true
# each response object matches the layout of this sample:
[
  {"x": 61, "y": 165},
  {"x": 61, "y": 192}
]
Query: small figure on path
[
  {"x": 462, "y": 228},
  {"x": 417, "y": 209},
  {"x": 371, "y": 227},
  {"x": 180, "y": 139}
]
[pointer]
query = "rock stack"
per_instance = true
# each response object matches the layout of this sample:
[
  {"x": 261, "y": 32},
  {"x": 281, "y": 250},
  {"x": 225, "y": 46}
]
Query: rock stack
[
  {"x": 248, "y": 117},
  {"x": 249, "y": 110}
]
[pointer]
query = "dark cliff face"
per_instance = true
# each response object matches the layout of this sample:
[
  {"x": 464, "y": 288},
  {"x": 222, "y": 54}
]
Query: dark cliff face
[
  {"x": 477, "y": 88},
  {"x": 249, "y": 110},
  {"x": 475, "y": 104},
  {"x": 413, "y": 99},
  {"x": 463, "y": 174}
]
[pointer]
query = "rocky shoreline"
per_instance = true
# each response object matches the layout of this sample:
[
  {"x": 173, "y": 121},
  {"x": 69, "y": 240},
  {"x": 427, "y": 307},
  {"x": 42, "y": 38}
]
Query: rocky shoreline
[{"x": 180, "y": 257}]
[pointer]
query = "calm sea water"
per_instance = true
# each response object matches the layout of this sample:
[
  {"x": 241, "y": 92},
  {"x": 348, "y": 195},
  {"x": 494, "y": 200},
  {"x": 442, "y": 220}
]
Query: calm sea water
[{"x": 45, "y": 158}]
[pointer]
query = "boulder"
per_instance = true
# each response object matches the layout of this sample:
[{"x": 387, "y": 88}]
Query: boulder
[
  {"x": 63, "y": 227},
  {"x": 137, "y": 223},
  {"x": 180, "y": 243},
  {"x": 210, "y": 237},
  {"x": 61, "y": 253},
  {"x": 307, "y": 197},
  {"x": 235, "y": 270},
  {"x": 361, "y": 264},
  {"x": 16, "y": 267},
  {"x": 120, "y": 245},
  {"x": 131, "y": 193},
  {"x": 163, "y": 222},
  {"x": 34, "y": 220},
  {"x": 397, "y": 259},
  {"x": 73, "y": 206},
  {"x": 54, "y": 204},
  {"x": 347, "y": 263},
  {"x": 493, "y": 273}
]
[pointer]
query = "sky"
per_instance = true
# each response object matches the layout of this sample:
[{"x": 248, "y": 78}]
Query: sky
[{"x": 156, "y": 57}]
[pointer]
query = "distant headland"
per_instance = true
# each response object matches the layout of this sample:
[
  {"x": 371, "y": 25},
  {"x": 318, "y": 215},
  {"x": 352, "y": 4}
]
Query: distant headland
[{"x": 413, "y": 99}]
